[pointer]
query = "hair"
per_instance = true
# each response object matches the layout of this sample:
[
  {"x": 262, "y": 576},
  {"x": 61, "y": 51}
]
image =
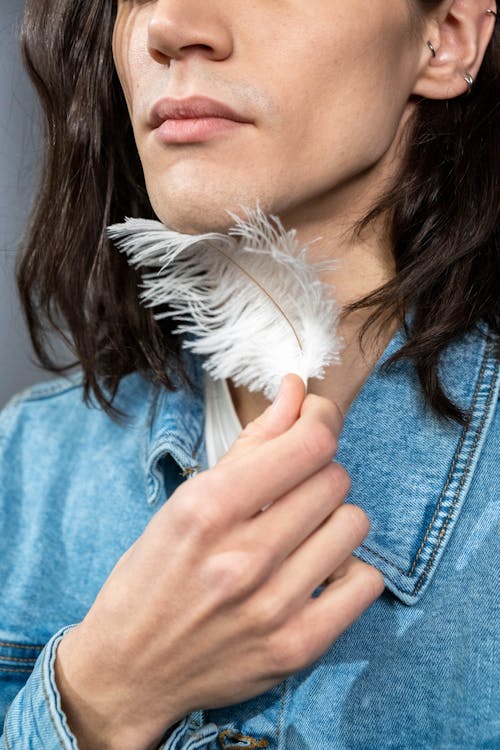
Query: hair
[{"x": 442, "y": 214}]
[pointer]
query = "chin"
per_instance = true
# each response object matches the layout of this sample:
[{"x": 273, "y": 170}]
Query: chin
[
  {"x": 193, "y": 210},
  {"x": 192, "y": 219}
]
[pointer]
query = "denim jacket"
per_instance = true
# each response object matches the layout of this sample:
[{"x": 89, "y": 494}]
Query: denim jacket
[{"x": 419, "y": 669}]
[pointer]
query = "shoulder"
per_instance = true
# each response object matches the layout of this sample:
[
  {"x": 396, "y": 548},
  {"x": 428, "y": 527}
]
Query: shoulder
[
  {"x": 58, "y": 408},
  {"x": 54, "y": 393}
]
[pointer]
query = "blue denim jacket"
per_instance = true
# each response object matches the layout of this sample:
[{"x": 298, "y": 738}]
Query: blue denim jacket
[{"x": 419, "y": 669}]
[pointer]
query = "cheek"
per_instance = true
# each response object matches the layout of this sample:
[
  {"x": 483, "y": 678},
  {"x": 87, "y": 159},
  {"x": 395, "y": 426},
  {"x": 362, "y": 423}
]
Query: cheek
[
  {"x": 344, "y": 112},
  {"x": 126, "y": 51}
]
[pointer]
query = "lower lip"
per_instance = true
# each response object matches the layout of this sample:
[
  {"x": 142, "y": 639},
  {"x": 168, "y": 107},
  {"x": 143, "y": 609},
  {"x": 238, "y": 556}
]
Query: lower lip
[{"x": 194, "y": 130}]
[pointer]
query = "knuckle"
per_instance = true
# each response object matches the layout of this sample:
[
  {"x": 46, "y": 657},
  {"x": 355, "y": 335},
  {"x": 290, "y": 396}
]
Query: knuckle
[
  {"x": 374, "y": 581},
  {"x": 319, "y": 442},
  {"x": 340, "y": 480},
  {"x": 200, "y": 512},
  {"x": 266, "y": 612},
  {"x": 231, "y": 575},
  {"x": 256, "y": 431},
  {"x": 330, "y": 410},
  {"x": 292, "y": 650},
  {"x": 212, "y": 491}
]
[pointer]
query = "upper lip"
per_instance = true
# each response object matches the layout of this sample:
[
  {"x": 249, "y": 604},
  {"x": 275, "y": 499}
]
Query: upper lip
[{"x": 192, "y": 108}]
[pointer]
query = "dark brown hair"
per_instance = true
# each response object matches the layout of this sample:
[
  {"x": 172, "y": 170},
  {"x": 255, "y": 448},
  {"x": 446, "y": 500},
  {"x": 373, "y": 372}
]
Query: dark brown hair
[{"x": 443, "y": 217}]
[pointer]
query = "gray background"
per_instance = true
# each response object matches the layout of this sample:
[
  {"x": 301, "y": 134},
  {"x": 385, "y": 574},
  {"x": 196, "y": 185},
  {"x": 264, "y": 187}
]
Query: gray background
[{"x": 20, "y": 156}]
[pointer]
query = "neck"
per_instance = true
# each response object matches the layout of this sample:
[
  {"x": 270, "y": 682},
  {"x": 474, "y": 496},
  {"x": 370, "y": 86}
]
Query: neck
[{"x": 364, "y": 264}]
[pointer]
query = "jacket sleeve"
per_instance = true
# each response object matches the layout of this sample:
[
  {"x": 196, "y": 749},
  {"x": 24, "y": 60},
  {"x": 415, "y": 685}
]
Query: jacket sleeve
[{"x": 36, "y": 721}]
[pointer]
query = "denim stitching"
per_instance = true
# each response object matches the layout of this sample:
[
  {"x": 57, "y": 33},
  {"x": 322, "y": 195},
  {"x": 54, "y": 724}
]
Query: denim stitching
[
  {"x": 174, "y": 736},
  {"x": 457, "y": 453},
  {"x": 385, "y": 559},
  {"x": 200, "y": 742},
  {"x": 46, "y": 697},
  {"x": 11, "y": 644},
  {"x": 284, "y": 692},
  {"x": 18, "y": 658},
  {"x": 464, "y": 476},
  {"x": 16, "y": 671},
  {"x": 457, "y": 494},
  {"x": 43, "y": 391}
]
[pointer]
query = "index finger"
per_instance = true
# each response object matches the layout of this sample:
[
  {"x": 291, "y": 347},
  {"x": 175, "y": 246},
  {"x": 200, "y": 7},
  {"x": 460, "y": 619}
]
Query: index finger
[{"x": 244, "y": 484}]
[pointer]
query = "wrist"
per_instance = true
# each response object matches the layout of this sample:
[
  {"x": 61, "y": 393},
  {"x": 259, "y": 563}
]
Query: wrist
[{"x": 95, "y": 706}]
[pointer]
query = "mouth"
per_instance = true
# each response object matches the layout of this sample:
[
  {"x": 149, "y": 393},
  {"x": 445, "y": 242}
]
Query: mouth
[{"x": 193, "y": 120}]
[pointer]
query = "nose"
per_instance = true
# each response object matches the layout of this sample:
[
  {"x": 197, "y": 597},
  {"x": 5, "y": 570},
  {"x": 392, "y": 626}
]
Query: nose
[{"x": 180, "y": 28}]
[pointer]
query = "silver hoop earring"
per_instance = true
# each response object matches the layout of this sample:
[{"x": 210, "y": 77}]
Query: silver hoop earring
[
  {"x": 492, "y": 12},
  {"x": 431, "y": 47},
  {"x": 469, "y": 81}
]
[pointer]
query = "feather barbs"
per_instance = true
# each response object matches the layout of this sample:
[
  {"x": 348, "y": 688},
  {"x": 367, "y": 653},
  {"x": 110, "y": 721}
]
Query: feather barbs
[{"x": 249, "y": 301}]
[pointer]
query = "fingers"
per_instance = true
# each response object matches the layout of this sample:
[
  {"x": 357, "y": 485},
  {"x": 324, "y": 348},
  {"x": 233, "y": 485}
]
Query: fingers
[
  {"x": 343, "y": 601},
  {"x": 324, "y": 618},
  {"x": 319, "y": 556},
  {"x": 275, "y": 420},
  {"x": 292, "y": 518},
  {"x": 239, "y": 488}
]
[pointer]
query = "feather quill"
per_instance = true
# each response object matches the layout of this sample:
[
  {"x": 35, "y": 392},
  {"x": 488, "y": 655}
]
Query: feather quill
[{"x": 249, "y": 300}]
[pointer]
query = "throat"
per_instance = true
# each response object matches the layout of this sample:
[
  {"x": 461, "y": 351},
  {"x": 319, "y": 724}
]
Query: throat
[{"x": 341, "y": 384}]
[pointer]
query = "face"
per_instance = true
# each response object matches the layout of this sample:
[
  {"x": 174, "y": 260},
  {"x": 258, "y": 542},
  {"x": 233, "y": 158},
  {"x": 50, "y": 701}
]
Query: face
[{"x": 322, "y": 88}]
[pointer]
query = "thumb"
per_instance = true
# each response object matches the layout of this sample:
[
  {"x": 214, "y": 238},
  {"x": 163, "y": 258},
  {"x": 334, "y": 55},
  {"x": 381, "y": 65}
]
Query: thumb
[{"x": 275, "y": 420}]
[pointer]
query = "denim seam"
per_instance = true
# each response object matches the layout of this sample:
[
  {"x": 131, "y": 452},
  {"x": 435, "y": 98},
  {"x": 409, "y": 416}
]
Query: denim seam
[
  {"x": 171, "y": 741},
  {"x": 281, "y": 719},
  {"x": 408, "y": 574},
  {"x": 46, "y": 697},
  {"x": 456, "y": 456},
  {"x": 13, "y": 644},
  {"x": 152, "y": 400},
  {"x": 459, "y": 488},
  {"x": 46, "y": 392},
  {"x": 16, "y": 671},
  {"x": 7, "y": 743},
  {"x": 18, "y": 658},
  {"x": 155, "y": 477}
]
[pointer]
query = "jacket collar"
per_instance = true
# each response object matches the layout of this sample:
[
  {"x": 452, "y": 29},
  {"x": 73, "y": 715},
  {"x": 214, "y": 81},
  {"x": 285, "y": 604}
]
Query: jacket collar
[
  {"x": 411, "y": 471},
  {"x": 175, "y": 428}
]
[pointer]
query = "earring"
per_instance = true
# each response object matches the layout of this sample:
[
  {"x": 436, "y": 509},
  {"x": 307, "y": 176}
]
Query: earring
[
  {"x": 492, "y": 12},
  {"x": 431, "y": 47},
  {"x": 469, "y": 81}
]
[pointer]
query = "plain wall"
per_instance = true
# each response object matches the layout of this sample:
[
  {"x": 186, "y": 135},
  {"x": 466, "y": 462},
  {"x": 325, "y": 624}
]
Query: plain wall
[{"x": 20, "y": 157}]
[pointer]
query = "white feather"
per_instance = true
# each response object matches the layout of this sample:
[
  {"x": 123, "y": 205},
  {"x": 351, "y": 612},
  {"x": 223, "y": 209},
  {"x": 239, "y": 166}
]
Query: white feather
[{"x": 250, "y": 301}]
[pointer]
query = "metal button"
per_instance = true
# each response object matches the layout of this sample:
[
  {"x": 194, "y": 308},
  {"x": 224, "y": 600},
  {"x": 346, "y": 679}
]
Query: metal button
[{"x": 228, "y": 737}]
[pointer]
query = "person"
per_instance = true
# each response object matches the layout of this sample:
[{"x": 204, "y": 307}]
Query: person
[{"x": 147, "y": 601}]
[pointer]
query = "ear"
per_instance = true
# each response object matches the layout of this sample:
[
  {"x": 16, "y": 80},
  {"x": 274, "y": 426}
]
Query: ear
[{"x": 459, "y": 33}]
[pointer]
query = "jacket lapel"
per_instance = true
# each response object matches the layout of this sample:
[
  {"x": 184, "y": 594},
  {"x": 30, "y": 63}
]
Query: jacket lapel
[{"x": 411, "y": 471}]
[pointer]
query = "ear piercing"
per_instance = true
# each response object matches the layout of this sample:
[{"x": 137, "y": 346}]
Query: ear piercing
[
  {"x": 467, "y": 76},
  {"x": 469, "y": 81}
]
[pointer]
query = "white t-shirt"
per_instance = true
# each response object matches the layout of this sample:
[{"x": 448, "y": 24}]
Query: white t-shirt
[{"x": 222, "y": 425}]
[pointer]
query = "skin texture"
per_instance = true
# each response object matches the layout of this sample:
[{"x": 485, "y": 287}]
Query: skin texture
[
  {"x": 327, "y": 109},
  {"x": 232, "y": 585},
  {"x": 328, "y": 87}
]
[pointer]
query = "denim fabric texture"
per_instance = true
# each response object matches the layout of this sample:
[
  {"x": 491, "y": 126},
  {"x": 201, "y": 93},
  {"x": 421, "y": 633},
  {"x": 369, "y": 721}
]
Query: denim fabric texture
[{"x": 419, "y": 670}]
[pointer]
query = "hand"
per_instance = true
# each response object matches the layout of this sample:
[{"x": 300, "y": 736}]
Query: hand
[{"x": 212, "y": 604}]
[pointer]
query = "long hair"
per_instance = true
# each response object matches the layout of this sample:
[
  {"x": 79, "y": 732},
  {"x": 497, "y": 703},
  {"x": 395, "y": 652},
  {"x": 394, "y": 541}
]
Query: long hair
[{"x": 443, "y": 218}]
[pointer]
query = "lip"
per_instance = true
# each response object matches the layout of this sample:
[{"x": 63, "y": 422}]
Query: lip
[{"x": 193, "y": 119}]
